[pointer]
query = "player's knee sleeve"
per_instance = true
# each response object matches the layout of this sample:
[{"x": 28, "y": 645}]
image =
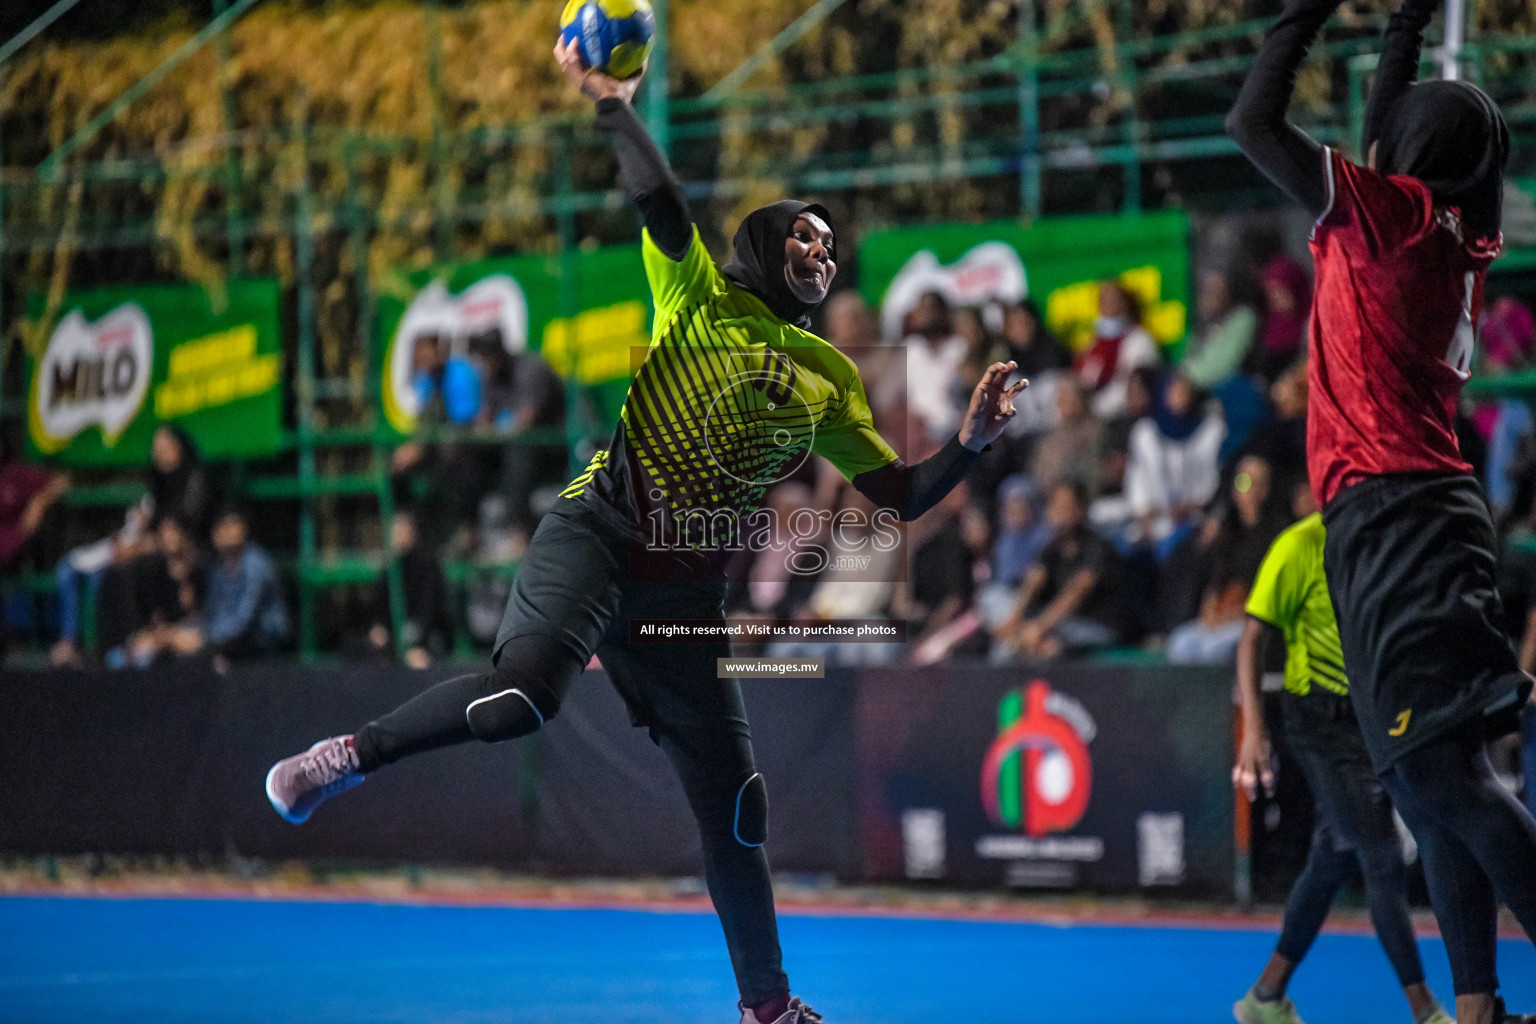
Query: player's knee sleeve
[
  {"x": 503, "y": 715},
  {"x": 750, "y": 824}
]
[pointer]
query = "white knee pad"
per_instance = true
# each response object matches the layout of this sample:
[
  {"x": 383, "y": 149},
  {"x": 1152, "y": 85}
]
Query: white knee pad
[{"x": 503, "y": 716}]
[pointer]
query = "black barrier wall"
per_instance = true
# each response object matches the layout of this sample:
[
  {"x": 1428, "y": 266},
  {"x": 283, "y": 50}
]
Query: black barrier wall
[
  {"x": 1110, "y": 779},
  {"x": 1095, "y": 777}
]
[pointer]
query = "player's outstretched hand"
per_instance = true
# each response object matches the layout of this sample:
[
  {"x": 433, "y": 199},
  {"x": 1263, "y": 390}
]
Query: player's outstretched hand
[
  {"x": 594, "y": 85},
  {"x": 991, "y": 406}
]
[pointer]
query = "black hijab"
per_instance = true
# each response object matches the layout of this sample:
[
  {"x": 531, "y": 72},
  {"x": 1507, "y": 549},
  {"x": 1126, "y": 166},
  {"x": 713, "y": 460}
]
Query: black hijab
[
  {"x": 1453, "y": 138},
  {"x": 183, "y": 493},
  {"x": 757, "y": 264}
]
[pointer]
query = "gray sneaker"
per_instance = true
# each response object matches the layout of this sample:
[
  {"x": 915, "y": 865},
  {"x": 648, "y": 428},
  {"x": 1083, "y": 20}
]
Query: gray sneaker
[
  {"x": 798, "y": 1013},
  {"x": 297, "y": 785}
]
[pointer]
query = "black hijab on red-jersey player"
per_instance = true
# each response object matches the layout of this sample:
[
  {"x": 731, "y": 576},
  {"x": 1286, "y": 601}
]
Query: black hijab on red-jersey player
[
  {"x": 1452, "y": 137},
  {"x": 757, "y": 262}
]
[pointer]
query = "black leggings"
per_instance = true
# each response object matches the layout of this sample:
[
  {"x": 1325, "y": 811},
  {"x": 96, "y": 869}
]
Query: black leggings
[
  {"x": 572, "y": 597},
  {"x": 1354, "y": 824},
  {"x": 1478, "y": 846}
]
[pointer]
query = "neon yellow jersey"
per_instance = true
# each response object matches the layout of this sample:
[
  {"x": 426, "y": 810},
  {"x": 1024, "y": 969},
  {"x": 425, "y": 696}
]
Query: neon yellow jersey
[
  {"x": 729, "y": 400},
  {"x": 1291, "y": 594}
]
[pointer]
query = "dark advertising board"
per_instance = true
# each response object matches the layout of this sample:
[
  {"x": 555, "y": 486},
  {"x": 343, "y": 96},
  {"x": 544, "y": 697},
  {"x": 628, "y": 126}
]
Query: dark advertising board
[{"x": 1107, "y": 779}]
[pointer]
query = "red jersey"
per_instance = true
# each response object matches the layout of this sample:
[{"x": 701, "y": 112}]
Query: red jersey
[{"x": 1393, "y": 325}]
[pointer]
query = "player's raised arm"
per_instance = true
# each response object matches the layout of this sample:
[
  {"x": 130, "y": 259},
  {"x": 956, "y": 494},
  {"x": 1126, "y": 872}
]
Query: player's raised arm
[
  {"x": 1287, "y": 155},
  {"x": 647, "y": 177},
  {"x": 1399, "y": 64}
]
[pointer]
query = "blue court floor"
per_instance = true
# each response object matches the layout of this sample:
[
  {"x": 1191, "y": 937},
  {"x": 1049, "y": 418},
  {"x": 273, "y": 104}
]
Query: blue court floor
[{"x": 164, "y": 961}]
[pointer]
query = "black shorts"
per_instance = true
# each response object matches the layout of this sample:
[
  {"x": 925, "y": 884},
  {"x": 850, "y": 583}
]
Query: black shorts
[
  {"x": 574, "y": 595},
  {"x": 1410, "y": 561}
]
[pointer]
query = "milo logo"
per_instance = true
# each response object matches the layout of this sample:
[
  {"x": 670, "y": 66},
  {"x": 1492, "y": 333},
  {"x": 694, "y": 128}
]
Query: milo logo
[{"x": 92, "y": 374}]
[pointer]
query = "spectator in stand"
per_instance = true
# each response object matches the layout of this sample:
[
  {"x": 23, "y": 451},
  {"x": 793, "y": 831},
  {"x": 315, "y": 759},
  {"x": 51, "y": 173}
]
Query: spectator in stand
[
  {"x": 26, "y": 494},
  {"x": 450, "y": 392},
  {"x": 1121, "y": 345},
  {"x": 1227, "y": 334},
  {"x": 1281, "y": 440},
  {"x": 447, "y": 384},
  {"x": 159, "y": 615},
  {"x": 527, "y": 395},
  {"x": 86, "y": 565},
  {"x": 1072, "y": 449},
  {"x": 180, "y": 489},
  {"x": 1172, "y": 468},
  {"x": 1287, "y": 312},
  {"x": 1110, "y": 511},
  {"x": 1030, "y": 343},
  {"x": 940, "y": 583},
  {"x": 773, "y": 589},
  {"x": 178, "y": 482},
  {"x": 935, "y": 355},
  {"x": 1508, "y": 334},
  {"x": 960, "y": 634},
  {"x": 1072, "y": 599},
  {"x": 1021, "y": 535},
  {"x": 428, "y": 623},
  {"x": 1230, "y": 548},
  {"x": 851, "y": 326},
  {"x": 246, "y": 614},
  {"x": 849, "y": 589}
]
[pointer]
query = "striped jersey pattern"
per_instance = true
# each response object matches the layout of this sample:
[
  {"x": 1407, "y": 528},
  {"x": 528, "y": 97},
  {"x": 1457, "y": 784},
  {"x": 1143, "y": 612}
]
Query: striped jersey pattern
[
  {"x": 728, "y": 400},
  {"x": 1291, "y": 594}
]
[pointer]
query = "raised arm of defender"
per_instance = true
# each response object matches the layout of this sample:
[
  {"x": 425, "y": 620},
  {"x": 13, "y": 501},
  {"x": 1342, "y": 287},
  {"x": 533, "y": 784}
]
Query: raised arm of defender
[
  {"x": 1287, "y": 155},
  {"x": 1399, "y": 64},
  {"x": 647, "y": 177}
]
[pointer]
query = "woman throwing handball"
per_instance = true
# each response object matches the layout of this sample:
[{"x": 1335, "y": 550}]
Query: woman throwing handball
[
  {"x": 733, "y": 392},
  {"x": 1401, "y": 248}
]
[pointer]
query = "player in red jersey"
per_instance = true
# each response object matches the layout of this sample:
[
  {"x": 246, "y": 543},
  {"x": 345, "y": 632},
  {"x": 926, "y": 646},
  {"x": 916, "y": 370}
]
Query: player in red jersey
[{"x": 1401, "y": 248}]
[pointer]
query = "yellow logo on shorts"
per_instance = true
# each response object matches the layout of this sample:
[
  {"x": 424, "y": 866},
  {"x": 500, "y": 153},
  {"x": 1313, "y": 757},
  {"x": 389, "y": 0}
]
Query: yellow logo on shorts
[{"x": 1402, "y": 724}]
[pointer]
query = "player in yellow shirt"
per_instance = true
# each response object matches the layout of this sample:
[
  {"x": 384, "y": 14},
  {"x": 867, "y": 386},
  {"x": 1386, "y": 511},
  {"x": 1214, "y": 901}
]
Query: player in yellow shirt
[
  {"x": 1354, "y": 815},
  {"x": 733, "y": 393}
]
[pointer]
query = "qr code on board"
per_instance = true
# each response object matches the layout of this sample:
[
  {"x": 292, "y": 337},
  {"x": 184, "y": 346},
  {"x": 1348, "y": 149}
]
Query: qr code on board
[{"x": 1160, "y": 849}]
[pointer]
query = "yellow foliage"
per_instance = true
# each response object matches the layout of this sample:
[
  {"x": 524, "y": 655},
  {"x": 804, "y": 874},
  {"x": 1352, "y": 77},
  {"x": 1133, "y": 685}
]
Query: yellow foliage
[{"x": 302, "y": 77}]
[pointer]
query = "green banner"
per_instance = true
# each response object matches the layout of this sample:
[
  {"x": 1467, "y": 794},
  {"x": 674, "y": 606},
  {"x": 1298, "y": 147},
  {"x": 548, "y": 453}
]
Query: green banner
[
  {"x": 585, "y": 331},
  {"x": 1058, "y": 263},
  {"x": 113, "y": 363}
]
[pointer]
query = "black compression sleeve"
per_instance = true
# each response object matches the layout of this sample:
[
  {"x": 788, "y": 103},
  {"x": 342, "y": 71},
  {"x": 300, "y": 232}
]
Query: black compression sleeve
[
  {"x": 648, "y": 179},
  {"x": 913, "y": 490},
  {"x": 1399, "y": 64},
  {"x": 1286, "y": 154}
]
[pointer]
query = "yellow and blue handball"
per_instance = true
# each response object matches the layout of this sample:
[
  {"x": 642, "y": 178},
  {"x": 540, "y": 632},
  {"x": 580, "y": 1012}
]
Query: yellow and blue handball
[{"x": 612, "y": 36}]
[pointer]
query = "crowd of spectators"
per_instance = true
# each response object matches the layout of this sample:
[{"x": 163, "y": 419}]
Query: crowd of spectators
[
  {"x": 181, "y": 578},
  {"x": 1134, "y": 496},
  {"x": 1129, "y": 503},
  {"x": 471, "y": 482}
]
